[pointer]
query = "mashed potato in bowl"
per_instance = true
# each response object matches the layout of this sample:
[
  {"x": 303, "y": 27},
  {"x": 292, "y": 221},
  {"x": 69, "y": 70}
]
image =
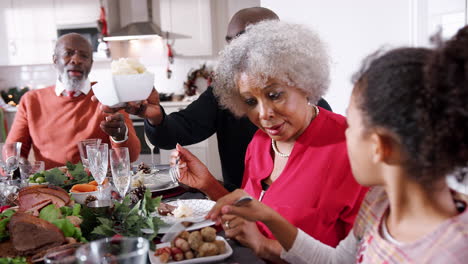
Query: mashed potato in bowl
[{"x": 125, "y": 66}]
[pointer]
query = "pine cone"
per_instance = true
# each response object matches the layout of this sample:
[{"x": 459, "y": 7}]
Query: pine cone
[
  {"x": 137, "y": 194},
  {"x": 90, "y": 198},
  {"x": 145, "y": 169}
]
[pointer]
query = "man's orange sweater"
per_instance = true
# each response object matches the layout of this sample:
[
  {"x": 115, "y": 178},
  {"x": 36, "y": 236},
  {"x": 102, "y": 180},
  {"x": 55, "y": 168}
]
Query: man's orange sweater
[{"x": 52, "y": 125}]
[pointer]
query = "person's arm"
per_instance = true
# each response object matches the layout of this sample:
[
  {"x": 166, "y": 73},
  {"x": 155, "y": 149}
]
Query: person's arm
[
  {"x": 324, "y": 104},
  {"x": 298, "y": 247},
  {"x": 191, "y": 125},
  {"x": 20, "y": 129},
  {"x": 306, "y": 249}
]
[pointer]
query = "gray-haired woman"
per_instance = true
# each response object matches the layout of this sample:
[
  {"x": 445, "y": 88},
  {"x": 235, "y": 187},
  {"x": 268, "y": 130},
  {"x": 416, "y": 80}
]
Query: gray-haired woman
[{"x": 297, "y": 161}]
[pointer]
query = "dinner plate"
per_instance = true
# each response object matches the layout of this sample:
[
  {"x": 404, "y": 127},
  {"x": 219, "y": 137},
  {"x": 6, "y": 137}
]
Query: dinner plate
[
  {"x": 157, "y": 180},
  {"x": 165, "y": 227},
  {"x": 155, "y": 260},
  {"x": 200, "y": 208}
]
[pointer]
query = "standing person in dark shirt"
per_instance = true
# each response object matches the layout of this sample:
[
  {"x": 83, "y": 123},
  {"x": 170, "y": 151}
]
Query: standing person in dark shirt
[{"x": 204, "y": 117}]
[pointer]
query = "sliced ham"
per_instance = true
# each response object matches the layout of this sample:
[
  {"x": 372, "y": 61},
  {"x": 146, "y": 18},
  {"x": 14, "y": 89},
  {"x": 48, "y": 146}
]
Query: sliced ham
[{"x": 30, "y": 198}]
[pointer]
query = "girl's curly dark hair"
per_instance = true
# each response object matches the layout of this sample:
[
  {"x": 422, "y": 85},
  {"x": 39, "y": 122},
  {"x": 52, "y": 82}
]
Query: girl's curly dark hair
[
  {"x": 446, "y": 104},
  {"x": 421, "y": 97}
]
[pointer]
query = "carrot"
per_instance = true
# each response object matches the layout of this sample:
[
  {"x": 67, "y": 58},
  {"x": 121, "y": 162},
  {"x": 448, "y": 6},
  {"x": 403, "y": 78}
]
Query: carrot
[
  {"x": 95, "y": 183},
  {"x": 77, "y": 188}
]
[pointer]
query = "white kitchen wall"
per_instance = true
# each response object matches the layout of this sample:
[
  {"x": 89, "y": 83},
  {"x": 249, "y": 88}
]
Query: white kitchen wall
[{"x": 352, "y": 30}]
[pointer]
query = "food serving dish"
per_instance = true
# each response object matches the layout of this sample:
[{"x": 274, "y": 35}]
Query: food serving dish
[
  {"x": 200, "y": 208},
  {"x": 114, "y": 90},
  {"x": 228, "y": 253}
]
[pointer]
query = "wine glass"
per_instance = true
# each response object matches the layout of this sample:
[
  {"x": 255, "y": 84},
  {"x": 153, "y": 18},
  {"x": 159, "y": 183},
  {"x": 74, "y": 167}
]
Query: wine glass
[
  {"x": 82, "y": 148},
  {"x": 123, "y": 250},
  {"x": 151, "y": 146},
  {"x": 10, "y": 157},
  {"x": 120, "y": 167},
  {"x": 98, "y": 161}
]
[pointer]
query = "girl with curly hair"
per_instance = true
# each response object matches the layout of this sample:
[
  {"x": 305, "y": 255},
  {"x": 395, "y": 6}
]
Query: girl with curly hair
[{"x": 407, "y": 123}]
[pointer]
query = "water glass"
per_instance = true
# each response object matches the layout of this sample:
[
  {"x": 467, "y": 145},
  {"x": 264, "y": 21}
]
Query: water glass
[
  {"x": 120, "y": 167},
  {"x": 123, "y": 250},
  {"x": 10, "y": 157},
  {"x": 98, "y": 163},
  {"x": 82, "y": 148},
  {"x": 30, "y": 168}
]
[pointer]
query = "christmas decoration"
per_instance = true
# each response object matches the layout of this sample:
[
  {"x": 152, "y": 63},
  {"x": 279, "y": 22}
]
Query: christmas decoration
[{"x": 190, "y": 85}]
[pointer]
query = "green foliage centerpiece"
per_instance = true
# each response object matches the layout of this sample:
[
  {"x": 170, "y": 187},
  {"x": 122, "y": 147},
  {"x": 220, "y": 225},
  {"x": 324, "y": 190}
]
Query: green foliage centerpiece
[{"x": 127, "y": 220}]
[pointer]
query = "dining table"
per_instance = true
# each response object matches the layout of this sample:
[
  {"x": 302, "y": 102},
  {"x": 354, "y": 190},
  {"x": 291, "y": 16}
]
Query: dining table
[{"x": 241, "y": 254}]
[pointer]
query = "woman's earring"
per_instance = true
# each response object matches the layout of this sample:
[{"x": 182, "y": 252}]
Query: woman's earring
[{"x": 309, "y": 103}]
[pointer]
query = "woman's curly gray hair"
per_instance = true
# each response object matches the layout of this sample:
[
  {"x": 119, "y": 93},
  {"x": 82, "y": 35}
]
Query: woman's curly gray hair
[{"x": 272, "y": 49}]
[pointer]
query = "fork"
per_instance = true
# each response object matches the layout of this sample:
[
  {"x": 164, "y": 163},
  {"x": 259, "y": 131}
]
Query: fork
[{"x": 174, "y": 171}]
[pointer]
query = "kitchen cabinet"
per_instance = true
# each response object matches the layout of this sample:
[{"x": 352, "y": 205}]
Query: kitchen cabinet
[
  {"x": 29, "y": 32},
  {"x": 192, "y": 19},
  {"x": 206, "y": 151},
  {"x": 29, "y": 28},
  {"x": 72, "y": 12},
  {"x": 201, "y": 23}
]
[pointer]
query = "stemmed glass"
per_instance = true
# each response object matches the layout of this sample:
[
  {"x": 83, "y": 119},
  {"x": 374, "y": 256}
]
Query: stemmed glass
[
  {"x": 82, "y": 148},
  {"x": 10, "y": 157},
  {"x": 120, "y": 166},
  {"x": 151, "y": 146},
  {"x": 98, "y": 161}
]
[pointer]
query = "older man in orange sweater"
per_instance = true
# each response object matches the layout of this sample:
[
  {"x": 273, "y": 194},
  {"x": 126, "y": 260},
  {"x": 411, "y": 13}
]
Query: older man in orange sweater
[{"x": 52, "y": 120}]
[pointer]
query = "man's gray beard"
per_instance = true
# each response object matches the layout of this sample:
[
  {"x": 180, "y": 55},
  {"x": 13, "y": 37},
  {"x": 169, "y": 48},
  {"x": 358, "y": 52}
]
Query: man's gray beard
[{"x": 72, "y": 84}]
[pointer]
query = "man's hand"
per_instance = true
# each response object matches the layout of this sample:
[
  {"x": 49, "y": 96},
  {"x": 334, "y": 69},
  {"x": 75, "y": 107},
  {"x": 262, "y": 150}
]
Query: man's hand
[
  {"x": 148, "y": 109},
  {"x": 114, "y": 126}
]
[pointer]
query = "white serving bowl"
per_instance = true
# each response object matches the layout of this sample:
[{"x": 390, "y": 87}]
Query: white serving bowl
[
  {"x": 80, "y": 197},
  {"x": 114, "y": 90}
]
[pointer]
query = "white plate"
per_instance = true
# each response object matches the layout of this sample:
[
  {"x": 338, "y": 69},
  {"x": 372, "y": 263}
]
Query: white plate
[
  {"x": 155, "y": 260},
  {"x": 200, "y": 208},
  {"x": 157, "y": 180},
  {"x": 164, "y": 228}
]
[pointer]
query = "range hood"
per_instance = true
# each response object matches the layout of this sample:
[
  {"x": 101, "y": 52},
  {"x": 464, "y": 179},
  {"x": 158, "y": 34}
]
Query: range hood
[
  {"x": 136, "y": 30},
  {"x": 139, "y": 29}
]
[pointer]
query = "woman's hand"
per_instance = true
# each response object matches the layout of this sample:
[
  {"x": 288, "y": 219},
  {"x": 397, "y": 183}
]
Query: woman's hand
[
  {"x": 195, "y": 174},
  {"x": 245, "y": 232},
  {"x": 251, "y": 211}
]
